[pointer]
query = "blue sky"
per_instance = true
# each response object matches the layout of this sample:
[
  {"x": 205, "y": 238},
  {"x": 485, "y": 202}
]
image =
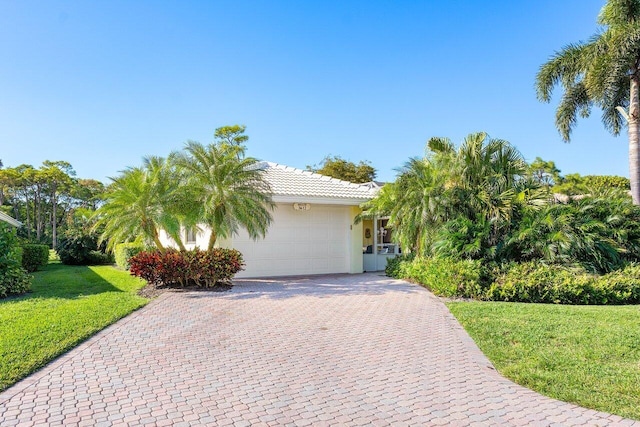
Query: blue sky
[{"x": 101, "y": 84}]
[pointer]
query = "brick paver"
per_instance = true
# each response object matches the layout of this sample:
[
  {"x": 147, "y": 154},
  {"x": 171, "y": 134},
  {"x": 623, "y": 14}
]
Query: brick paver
[{"x": 330, "y": 350}]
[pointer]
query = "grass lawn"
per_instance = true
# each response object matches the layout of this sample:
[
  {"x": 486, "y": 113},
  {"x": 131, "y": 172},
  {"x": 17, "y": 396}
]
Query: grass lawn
[
  {"x": 67, "y": 305},
  {"x": 588, "y": 355}
]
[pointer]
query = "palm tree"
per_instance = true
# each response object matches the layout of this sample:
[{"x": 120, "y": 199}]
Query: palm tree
[
  {"x": 139, "y": 203},
  {"x": 482, "y": 181},
  {"x": 603, "y": 72},
  {"x": 228, "y": 189}
]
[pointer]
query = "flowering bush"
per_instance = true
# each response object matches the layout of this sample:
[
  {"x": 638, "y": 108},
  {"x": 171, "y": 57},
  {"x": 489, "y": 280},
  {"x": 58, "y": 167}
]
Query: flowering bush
[{"x": 182, "y": 268}]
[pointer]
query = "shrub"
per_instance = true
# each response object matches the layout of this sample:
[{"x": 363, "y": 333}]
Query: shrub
[
  {"x": 81, "y": 250},
  {"x": 195, "y": 267},
  {"x": 99, "y": 258},
  {"x": 539, "y": 283},
  {"x": 534, "y": 282},
  {"x": 445, "y": 276},
  {"x": 125, "y": 251},
  {"x": 394, "y": 265},
  {"x": 14, "y": 281},
  {"x": 34, "y": 256},
  {"x": 619, "y": 287},
  {"x": 13, "y": 278}
]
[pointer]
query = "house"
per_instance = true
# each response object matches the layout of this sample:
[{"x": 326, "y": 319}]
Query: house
[
  {"x": 313, "y": 229},
  {"x": 10, "y": 220}
]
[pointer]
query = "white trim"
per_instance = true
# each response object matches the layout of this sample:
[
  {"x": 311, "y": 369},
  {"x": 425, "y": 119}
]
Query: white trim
[
  {"x": 317, "y": 200},
  {"x": 6, "y": 218}
]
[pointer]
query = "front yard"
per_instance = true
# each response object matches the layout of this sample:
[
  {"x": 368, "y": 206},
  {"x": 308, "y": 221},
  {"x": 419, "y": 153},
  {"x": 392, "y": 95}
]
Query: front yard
[
  {"x": 66, "y": 306},
  {"x": 588, "y": 355}
]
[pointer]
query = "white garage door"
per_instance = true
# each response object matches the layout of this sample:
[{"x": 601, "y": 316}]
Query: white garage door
[{"x": 299, "y": 242}]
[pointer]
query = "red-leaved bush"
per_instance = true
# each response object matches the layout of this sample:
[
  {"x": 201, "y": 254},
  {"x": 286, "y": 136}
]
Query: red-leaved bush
[{"x": 195, "y": 267}]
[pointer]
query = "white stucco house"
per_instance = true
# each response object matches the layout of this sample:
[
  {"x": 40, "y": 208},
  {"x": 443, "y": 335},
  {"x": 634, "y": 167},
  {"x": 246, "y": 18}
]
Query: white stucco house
[{"x": 313, "y": 229}]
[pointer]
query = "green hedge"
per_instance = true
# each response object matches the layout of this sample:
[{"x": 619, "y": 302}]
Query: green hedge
[
  {"x": 13, "y": 278},
  {"x": 125, "y": 251},
  {"x": 445, "y": 276},
  {"x": 539, "y": 283},
  {"x": 394, "y": 265},
  {"x": 34, "y": 256},
  {"x": 519, "y": 282}
]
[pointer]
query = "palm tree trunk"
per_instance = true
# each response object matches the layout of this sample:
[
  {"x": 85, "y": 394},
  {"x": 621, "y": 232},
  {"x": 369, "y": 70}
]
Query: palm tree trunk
[
  {"x": 634, "y": 139},
  {"x": 156, "y": 240},
  {"x": 212, "y": 240}
]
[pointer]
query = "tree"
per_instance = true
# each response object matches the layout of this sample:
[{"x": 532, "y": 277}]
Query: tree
[
  {"x": 337, "y": 167},
  {"x": 233, "y": 137},
  {"x": 139, "y": 203},
  {"x": 603, "y": 72},
  {"x": 88, "y": 193},
  {"x": 545, "y": 172},
  {"x": 575, "y": 184},
  {"x": 228, "y": 189},
  {"x": 56, "y": 175},
  {"x": 457, "y": 198}
]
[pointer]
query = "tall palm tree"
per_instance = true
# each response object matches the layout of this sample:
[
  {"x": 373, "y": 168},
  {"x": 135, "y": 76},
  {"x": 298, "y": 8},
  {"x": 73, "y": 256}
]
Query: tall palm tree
[
  {"x": 228, "y": 189},
  {"x": 139, "y": 203},
  {"x": 602, "y": 72}
]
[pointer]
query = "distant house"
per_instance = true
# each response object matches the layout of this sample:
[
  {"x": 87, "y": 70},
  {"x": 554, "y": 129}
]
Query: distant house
[
  {"x": 313, "y": 229},
  {"x": 9, "y": 220}
]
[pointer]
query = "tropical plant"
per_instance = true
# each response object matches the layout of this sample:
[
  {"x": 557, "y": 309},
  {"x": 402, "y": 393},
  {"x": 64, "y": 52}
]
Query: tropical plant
[
  {"x": 182, "y": 268},
  {"x": 141, "y": 202},
  {"x": 603, "y": 72},
  {"x": 227, "y": 190},
  {"x": 602, "y": 234},
  {"x": 483, "y": 182}
]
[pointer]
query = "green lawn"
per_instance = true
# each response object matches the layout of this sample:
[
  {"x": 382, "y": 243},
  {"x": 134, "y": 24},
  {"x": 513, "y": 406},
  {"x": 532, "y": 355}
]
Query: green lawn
[
  {"x": 588, "y": 355},
  {"x": 66, "y": 306}
]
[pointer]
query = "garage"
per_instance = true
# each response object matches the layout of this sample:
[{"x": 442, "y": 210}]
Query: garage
[{"x": 312, "y": 241}]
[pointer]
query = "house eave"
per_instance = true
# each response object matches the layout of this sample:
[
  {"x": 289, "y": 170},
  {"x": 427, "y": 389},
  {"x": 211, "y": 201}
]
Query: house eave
[
  {"x": 10, "y": 220},
  {"x": 318, "y": 200}
]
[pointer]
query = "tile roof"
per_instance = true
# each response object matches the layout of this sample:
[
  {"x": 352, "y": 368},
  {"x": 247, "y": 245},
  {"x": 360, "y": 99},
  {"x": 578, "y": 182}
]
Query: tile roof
[{"x": 288, "y": 181}]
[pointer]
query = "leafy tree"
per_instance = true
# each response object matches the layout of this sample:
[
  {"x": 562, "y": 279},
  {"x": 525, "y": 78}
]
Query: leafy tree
[
  {"x": 8, "y": 183},
  {"x": 545, "y": 172},
  {"x": 575, "y": 184},
  {"x": 603, "y": 72},
  {"x": 337, "y": 167},
  {"x": 56, "y": 175},
  {"x": 88, "y": 193},
  {"x": 228, "y": 190},
  {"x": 233, "y": 137},
  {"x": 25, "y": 177}
]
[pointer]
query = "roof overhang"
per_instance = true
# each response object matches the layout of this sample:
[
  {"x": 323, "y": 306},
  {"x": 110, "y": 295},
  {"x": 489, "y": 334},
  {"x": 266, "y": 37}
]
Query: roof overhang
[
  {"x": 10, "y": 220},
  {"x": 317, "y": 200}
]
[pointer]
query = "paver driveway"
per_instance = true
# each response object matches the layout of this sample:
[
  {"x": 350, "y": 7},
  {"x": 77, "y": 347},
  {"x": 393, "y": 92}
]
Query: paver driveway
[{"x": 331, "y": 350}]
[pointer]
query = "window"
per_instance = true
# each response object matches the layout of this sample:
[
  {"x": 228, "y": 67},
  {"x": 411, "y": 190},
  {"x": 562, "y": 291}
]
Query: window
[{"x": 190, "y": 235}]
